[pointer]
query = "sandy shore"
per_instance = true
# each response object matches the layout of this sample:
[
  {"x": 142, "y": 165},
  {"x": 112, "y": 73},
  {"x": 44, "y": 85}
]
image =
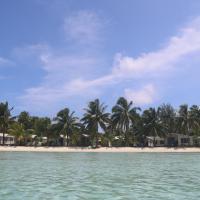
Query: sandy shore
[{"x": 102, "y": 149}]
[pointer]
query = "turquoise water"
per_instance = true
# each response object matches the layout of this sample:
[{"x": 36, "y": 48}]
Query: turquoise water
[{"x": 113, "y": 176}]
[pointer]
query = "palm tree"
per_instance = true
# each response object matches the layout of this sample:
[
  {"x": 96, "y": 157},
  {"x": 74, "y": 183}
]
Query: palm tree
[
  {"x": 66, "y": 123},
  {"x": 167, "y": 116},
  {"x": 5, "y": 118},
  {"x": 139, "y": 132},
  {"x": 151, "y": 123},
  {"x": 25, "y": 119},
  {"x": 184, "y": 119},
  {"x": 94, "y": 118},
  {"x": 110, "y": 133},
  {"x": 194, "y": 118},
  {"x": 17, "y": 130},
  {"x": 41, "y": 126},
  {"x": 123, "y": 115}
]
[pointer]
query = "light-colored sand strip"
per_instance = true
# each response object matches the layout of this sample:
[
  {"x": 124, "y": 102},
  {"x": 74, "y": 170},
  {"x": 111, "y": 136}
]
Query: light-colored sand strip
[{"x": 102, "y": 149}]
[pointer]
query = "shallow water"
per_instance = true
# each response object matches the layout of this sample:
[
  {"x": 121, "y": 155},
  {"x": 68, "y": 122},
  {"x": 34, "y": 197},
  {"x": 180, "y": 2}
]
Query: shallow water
[{"x": 113, "y": 176}]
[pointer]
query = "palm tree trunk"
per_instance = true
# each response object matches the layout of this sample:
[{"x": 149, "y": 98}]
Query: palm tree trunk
[
  {"x": 64, "y": 140},
  {"x": 125, "y": 138},
  {"x": 3, "y": 136},
  {"x": 67, "y": 139},
  {"x": 96, "y": 136},
  {"x": 126, "y": 135},
  {"x": 3, "y": 139},
  {"x": 97, "y": 142},
  {"x": 25, "y": 140},
  {"x": 47, "y": 139}
]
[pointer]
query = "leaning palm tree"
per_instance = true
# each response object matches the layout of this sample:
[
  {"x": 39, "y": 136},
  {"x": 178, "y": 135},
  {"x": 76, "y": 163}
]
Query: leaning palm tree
[
  {"x": 5, "y": 118},
  {"x": 66, "y": 123},
  {"x": 123, "y": 116},
  {"x": 94, "y": 118}
]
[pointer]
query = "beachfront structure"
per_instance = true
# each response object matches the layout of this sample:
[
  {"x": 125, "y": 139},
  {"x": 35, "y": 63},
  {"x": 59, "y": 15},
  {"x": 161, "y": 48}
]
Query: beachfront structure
[
  {"x": 172, "y": 140},
  {"x": 63, "y": 140},
  {"x": 196, "y": 141},
  {"x": 38, "y": 141},
  {"x": 155, "y": 141},
  {"x": 175, "y": 139},
  {"x": 8, "y": 139}
]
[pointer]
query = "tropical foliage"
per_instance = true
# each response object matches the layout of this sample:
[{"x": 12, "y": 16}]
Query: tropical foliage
[
  {"x": 125, "y": 125},
  {"x": 95, "y": 118}
]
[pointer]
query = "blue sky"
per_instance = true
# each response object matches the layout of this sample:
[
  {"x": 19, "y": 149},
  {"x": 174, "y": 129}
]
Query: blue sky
[{"x": 64, "y": 53}]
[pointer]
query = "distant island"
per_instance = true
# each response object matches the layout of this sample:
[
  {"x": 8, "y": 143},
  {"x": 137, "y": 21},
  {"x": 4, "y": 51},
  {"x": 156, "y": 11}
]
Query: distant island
[{"x": 125, "y": 126}]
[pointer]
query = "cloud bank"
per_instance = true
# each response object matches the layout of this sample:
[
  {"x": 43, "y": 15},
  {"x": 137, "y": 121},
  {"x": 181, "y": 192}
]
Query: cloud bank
[{"x": 69, "y": 75}]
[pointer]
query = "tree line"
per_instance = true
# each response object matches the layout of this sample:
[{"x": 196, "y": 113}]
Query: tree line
[{"x": 126, "y": 125}]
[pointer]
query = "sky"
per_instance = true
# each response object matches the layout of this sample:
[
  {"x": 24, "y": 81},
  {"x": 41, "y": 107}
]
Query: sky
[{"x": 65, "y": 53}]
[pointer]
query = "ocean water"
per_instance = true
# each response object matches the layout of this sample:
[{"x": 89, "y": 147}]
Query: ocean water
[{"x": 95, "y": 176}]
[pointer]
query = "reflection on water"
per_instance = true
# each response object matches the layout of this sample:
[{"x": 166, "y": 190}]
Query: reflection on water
[{"x": 86, "y": 176}]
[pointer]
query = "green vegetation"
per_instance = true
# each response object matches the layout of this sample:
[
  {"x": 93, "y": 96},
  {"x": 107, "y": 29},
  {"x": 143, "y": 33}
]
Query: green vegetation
[{"x": 126, "y": 125}]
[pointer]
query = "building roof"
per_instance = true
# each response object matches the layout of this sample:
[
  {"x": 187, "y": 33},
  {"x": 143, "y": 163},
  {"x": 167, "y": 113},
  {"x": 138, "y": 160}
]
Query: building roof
[
  {"x": 154, "y": 138},
  {"x": 33, "y": 136},
  {"x": 6, "y": 135}
]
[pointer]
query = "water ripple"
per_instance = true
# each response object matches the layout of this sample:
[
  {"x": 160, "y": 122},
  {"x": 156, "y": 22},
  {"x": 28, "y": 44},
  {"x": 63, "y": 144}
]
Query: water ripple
[{"x": 92, "y": 176}]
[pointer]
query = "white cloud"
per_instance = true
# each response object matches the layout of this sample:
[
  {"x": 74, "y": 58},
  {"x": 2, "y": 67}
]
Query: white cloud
[
  {"x": 186, "y": 42},
  {"x": 59, "y": 82},
  {"x": 67, "y": 75},
  {"x": 83, "y": 27},
  {"x": 153, "y": 64},
  {"x": 144, "y": 96}
]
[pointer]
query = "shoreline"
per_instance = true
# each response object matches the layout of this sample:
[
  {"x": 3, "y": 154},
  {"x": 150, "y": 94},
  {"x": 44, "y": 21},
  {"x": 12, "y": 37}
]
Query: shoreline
[{"x": 101, "y": 149}]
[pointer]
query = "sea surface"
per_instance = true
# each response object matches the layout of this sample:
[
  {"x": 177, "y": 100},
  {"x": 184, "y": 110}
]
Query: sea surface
[{"x": 95, "y": 176}]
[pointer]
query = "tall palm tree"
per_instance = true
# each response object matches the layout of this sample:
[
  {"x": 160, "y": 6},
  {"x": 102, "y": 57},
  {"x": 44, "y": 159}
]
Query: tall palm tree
[
  {"x": 151, "y": 123},
  {"x": 167, "y": 116},
  {"x": 17, "y": 130},
  {"x": 184, "y": 119},
  {"x": 66, "y": 123},
  {"x": 94, "y": 118},
  {"x": 41, "y": 126},
  {"x": 25, "y": 119},
  {"x": 194, "y": 118},
  {"x": 123, "y": 115},
  {"x": 110, "y": 132},
  {"x": 5, "y": 118}
]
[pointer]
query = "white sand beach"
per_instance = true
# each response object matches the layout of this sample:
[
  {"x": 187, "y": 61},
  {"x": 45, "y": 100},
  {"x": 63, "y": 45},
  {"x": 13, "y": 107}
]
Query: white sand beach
[{"x": 102, "y": 149}]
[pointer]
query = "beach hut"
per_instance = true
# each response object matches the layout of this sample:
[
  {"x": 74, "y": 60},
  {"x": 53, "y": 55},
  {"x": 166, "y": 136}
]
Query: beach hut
[
  {"x": 155, "y": 141},
  {"x": 8, "y": 139},
  {"x": 196, "y": 141},
  {"x": 33, "y": 139},
  {"x": 176, "y": 139},
  {"x": 185, "y": 140}
]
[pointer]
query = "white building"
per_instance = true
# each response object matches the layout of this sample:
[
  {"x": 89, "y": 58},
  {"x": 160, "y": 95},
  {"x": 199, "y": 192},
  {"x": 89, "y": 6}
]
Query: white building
[
  {"x": 8, "y": 139},
  {"x": 176, "y": 139},
  {"x": 172, "y": 140},
  {"x": 155, "y": 141}
]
